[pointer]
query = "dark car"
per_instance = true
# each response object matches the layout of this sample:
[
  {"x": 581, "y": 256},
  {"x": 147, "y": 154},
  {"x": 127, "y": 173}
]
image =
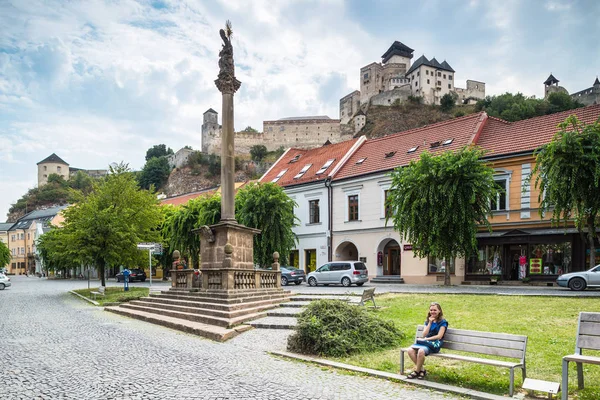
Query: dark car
[
  {"x": 136, "y": 275},
  {"x": 291, "y": 274}
]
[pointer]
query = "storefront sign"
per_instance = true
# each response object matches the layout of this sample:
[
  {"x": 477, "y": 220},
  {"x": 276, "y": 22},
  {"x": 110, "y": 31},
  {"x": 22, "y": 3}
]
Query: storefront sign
[
  {"x": 535, "y": 266},
  {"x": 407, "y": 247}
]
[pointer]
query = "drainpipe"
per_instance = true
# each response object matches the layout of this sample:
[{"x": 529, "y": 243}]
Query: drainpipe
[{"x": 330, "y": 218}]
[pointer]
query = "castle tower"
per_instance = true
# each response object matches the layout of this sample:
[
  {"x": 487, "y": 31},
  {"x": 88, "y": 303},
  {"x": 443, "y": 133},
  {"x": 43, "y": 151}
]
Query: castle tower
[
  {"x": 210, "y": 129},
  {"x": 548, "y": 85},
  {"x": 52, "y": 164},
  {"x": 596, "y": 84}
]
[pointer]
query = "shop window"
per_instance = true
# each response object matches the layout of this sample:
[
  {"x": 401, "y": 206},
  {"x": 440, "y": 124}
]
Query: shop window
[
  {"x": 353, "y": 207},
  {"x": 438, "y": 266},
  {"x": 314, "y": 217},
  {"x": 499, "y": 203},
  {"x": 549, "y": 259},
  {"x": 488, "y": 261}
]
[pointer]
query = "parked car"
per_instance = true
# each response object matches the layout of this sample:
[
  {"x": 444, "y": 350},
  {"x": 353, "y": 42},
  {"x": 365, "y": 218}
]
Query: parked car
[
  {"x": 291, "y": 274},
  {"x": 344, "y": 272},
  {"x": 136, "y": 275},
  {"x": 580, "y": 280},
  {"x": 4, "y": 281}
]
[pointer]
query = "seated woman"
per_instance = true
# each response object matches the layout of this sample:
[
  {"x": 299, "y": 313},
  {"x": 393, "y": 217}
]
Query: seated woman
[{"x": 432, "y": 340}]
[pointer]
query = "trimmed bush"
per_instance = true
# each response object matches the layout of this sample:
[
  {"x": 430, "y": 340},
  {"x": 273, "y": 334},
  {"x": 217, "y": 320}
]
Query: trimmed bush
[{"x": 335, "y": 328}]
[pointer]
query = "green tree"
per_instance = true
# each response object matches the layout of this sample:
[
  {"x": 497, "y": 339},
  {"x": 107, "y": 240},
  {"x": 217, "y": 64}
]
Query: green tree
[
  {"x": 179, "y": 223},
  {"x": 265, "y": 206},
  {"x": 438, "y": 202},
  {"x": 515, "y": 107},
  {"x": 561, "y": 101},
  {"x": 81, "y": 182},
  {"x": 447, "y": 102},
  {"x": 158, "y": 150},
  {"x": 155, "y": 172},
  {"x": 55, "y": 252},
  {"x": 104, "y": 228},
  {"x": 567, "y": 174},
  {"x": 4, "y": 255},
  {"x": 258, "y": 152}
]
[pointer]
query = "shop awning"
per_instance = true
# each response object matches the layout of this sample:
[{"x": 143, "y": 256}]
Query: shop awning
[{"x": 526, "y": 232}]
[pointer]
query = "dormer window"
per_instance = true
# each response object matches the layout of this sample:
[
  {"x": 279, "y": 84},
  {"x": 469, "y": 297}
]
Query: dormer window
[
  {"x": 447, "y": 142},
  {"x": 279, "y": 175},
  {"x": 302, "y": 171},
  {"x": 325, "y": 166},
  {"x": 293, "y": 160},
  {"x": 362, "y": 160},
  {"x": 412, "y": 149},
  {"x": 435, "y": 144},
  {"x": 390, "y": 154}
]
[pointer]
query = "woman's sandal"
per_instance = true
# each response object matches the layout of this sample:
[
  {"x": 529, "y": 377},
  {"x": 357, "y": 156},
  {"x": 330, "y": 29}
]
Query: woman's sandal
[
  {"x": 412, "y": 375},
  {"x": 422, "y": 374}
]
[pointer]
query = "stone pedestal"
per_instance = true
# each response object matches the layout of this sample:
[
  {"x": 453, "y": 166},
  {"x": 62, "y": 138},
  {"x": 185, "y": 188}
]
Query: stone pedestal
[
  {"x": 182, "y": 278},
  {"x": 227, "y": 260}
]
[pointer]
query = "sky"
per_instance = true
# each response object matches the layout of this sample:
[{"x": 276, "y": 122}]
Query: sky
[{"x": 98, "y": 82}]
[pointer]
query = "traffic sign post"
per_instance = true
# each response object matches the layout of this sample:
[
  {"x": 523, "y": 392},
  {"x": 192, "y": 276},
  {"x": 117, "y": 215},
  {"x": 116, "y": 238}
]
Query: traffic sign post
[{"x": 155, "y": 248}]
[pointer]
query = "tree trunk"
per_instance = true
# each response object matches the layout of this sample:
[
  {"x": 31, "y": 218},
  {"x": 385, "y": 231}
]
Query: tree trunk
[
  {"x": 101, "y": 268},
  {"x": 447, "y": 273},
  {"x": 592, "y": 241}
]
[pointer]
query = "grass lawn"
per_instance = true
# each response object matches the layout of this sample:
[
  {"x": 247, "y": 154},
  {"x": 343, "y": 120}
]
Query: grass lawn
[
  {"x": 549, "y": 322},
  {"x": 115, "y": 294}
]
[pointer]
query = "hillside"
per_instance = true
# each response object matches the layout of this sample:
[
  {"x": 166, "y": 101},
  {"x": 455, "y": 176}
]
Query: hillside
[{"x": 382, "y": 121}]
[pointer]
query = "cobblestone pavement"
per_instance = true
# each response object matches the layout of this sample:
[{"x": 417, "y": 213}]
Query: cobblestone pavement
[{"x": 53, "y": 345}]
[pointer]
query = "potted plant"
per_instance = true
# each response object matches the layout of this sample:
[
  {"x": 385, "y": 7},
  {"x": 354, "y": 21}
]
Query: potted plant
[{"x": 494, "y": 279}]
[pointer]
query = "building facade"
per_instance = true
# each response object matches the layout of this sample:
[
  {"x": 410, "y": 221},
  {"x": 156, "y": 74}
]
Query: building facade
[{"x": 53, "y": 164}]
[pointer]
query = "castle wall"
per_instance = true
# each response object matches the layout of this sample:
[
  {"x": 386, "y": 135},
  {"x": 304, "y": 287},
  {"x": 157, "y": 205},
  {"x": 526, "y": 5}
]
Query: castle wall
[
  {"x": 387, "y": 98},
  {"x": 180, "y": 158},
  {"x": 370, "y": 82},
  {"x": 359, "y": 122},
  {"x": 45, "y": 169},
  {"x": 475, "y": 91},
  {"x": 588, "y": 96}
]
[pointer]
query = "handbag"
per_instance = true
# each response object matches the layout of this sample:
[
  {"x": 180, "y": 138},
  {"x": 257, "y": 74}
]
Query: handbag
[{"x": 433, "y": 345}]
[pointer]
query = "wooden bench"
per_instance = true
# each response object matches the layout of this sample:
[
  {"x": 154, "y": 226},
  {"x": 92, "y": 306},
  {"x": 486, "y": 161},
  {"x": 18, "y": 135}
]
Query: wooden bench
[
  {"x": 100, "y": 292},
  {"x": 588, "y": 337},
  {"x": 368, "y": 295},
  {"x": 478, "y": 342}
]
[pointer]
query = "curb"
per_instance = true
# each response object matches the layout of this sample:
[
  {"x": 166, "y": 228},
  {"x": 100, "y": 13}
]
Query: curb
[
  {"x": 85, "y": 298},
  {"x": 473, "y": 394}
]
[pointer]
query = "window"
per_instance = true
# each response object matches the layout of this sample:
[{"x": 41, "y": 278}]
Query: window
[
  {"x": 57, "y": 169},
  {"x": 447, "y": 142},
  {"x": 418, "y": 73},
  {"x": 388, "y": 209},
  {"x": 279, "y": 175},
  {"x": 428, "y": 81},
  {"x": 281, "y": 128},
  {"x": 293, "y": 160},
  {"x": 390, "y": 154},
  {"x": 302, "y": 171},
  {"x": 449, "y": 77},
  {"x": 499, "y": 203},
  {"x": 416, "y": 83},
  {"x": 436, "y": 266},
  {"x": 45, "y": 168},
  {"x": 444, "y": 76},
  {"x": 439, "y": 73},
  {"x": 325, "y": 166},
  {"x": 449, "y": 86},
  {"x": 313, "y": 207},
  {"x": 412, "y": 149},
  {"x": 353, "y": 207},
  {"x": 28, "y": 236},
  {"x": 434, "y": 144},
  {"x": 22, "y": 236},
  {"x": 362, "y": 160},
  {"x": 439, "y": 83},
  {"x": 12, "y": 238},
  {"x": 426, "y": 72},
  {"x": 22, "y": 250}
]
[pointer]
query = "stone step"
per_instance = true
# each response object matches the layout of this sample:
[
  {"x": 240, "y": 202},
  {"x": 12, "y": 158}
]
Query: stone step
[
  {"x": 226, "y": 301},
  {"x": 295, "y": 304},
  {"x": 205, "y": 319},
  {"x": 194, "y": 309},
  {"x": 232, "y": 294},
  {"x": 208, "y": 331},
  {"x": 213, "y": 306},
  {"x": 274, "y": 323},
  {"x": 387, "y": 279},
  {"x": 285, "y": 312},
  {"x": 310, "y": 297}
]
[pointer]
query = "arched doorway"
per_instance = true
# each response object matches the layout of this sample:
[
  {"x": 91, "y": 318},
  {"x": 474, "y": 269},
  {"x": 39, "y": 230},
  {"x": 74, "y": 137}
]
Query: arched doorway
[
  {"x": 346, "y": 251},
  {"x": 391, "y": 257}
]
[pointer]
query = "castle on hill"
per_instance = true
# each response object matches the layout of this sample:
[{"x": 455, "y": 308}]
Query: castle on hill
[
  {"x": 587, "y": 97},
  {"x": 395, "y": 79}
]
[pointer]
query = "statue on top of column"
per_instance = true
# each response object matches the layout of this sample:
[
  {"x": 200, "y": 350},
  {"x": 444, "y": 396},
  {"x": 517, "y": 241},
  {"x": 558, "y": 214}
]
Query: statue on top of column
[{"x": 226, "y": 81}]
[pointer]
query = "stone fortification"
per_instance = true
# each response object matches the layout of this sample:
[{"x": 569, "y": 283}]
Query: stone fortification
[
  {"x": 587, "y": 97},
  {"x": 299, "y": 132}
]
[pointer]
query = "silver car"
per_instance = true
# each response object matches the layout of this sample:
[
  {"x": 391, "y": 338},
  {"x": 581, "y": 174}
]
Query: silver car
[
  {"x": 580, "y": 280},
  {"x": 344, "y": 272},
  {"x": 4, "y": 281}
]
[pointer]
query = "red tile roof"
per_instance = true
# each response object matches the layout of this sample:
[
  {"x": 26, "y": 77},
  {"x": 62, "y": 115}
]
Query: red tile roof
[
  {"x": 315, "y": 157},
  {"x": 462, "y": 131},
  {"x": 500, "y": 137}
]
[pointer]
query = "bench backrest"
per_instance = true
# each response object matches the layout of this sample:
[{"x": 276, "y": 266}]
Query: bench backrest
[
  {"x": 368, "y": 293},
  {"x": 491, "y": 343},
  {"x": 101, "y": 289},
  {"x": 588, "y": 332}
]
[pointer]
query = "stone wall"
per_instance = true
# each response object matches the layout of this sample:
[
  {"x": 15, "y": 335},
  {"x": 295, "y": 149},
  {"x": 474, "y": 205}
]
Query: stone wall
[
  {"x": 388, "y": 98},
  {"x": 475, "y": 90},
  {"x": 349, "y": 105},
  {"x": 588, "y": 96}
]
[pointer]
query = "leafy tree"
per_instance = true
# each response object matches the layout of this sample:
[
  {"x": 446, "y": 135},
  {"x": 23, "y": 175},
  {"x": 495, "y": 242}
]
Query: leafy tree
[
  {"x": 82, "y": 182},
  {"x": 54, "y": 251},
  {"x": 438, "y": 202},
  {"x": 258, "y": 152},
  {"x": 517, "y": 107},
  {"x": 104, "y": 228},
  {"x": 58, "y": 179},
  {"x": 214, "y": 165},
  {"x": 250, "y": 129},
  {"x": 265, "y": 206},
  {"x": 179, "y": 223},
  {"x": 561, "y": 101},
  {"x": 4, "y": 255},
  {"x": 158, "y": 150},
  {"x": 567, "y": 174},
  {"x": 155, "y": 172},
  {"x": 447, "y": 102}
]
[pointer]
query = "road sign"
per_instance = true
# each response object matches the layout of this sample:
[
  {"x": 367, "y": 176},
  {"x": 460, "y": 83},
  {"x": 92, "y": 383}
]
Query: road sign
[{"x": 146, "y": 246}]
